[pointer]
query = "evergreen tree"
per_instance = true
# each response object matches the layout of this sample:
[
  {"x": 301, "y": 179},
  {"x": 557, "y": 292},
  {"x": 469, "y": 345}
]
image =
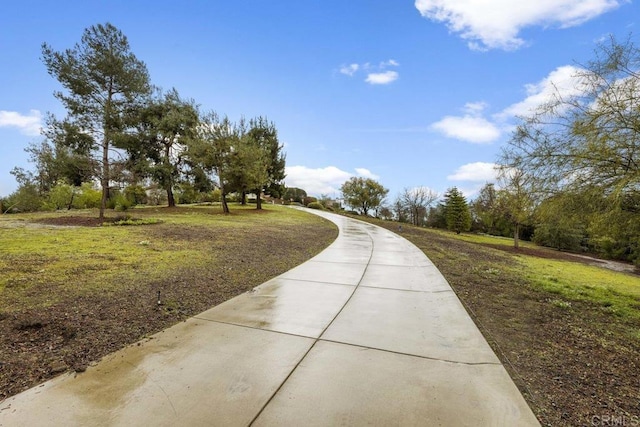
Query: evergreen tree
[
  {"x": 104, "y": 83},
  {"x": 457, "y": 211},
  {"x": 166, "y": 126},
  {"x": 263, "y": 135}
]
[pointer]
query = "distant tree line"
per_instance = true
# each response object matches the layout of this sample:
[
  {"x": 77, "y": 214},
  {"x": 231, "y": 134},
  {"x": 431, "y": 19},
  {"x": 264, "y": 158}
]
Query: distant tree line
[{"x": 138, "y": 143}]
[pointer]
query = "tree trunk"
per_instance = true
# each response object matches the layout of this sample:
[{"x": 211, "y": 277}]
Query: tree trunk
[
  {"x": 225, "y": 206},
  {"x": 167, "y": 163},
  {"x": 259, "y": 201},
  {"x": 243, "y": 198},
  {"x": 170, "y": 197},
  {"x": 104, "y": 179},
  {"x": 516, "y": 236},
  {"x": 73, "y": 193}
]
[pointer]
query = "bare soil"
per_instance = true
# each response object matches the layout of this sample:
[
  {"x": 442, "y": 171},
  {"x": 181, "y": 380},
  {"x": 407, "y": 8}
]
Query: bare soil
[{"x": 36, "y": 345}]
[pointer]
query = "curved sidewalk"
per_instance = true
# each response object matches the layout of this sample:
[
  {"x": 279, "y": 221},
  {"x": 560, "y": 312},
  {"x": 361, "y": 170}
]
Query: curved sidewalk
[{"x": 366, "y": 333}]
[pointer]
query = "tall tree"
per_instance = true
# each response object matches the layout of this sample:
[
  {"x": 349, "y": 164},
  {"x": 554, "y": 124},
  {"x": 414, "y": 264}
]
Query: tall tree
[
  {"x": 263, "y": 135},
  {"x": 213, "y": 149},
  {"x": 166, "y": 126},
  {"x": 247, "y": 167},
  {"x": 456, "y": 210},
  {"x": 104, "y": 83},
  {"x": 363, "y": 194}
]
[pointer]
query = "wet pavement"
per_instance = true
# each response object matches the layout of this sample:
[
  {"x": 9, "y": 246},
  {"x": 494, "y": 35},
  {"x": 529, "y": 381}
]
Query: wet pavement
[{"x": 366, "y": 333}]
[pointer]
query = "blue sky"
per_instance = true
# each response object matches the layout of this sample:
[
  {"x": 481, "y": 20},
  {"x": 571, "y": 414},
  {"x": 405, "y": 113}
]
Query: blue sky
[{"x": 420, "y": 93}]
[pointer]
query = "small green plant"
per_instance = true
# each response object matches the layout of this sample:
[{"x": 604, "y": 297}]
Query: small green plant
[
  {"x": 315, "y": 205},
  {"x": 132, "y": 221},
  {"x": 560, "y": 303}
]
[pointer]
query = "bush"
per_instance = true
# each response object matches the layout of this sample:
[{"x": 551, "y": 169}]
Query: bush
[
  {"x": 315, "y": 205},
  {"x": 307, "y": 200},
  {"x": 122, "y": 203},
  {"x": 25, "y": 199},
  {"x": 216, "y": 195},
  {"x": 136, "y": 194},
  {"x": 88, "y": 197},
  {"x": 558, "y": 236},
  {"x": 61, "y": 197}
]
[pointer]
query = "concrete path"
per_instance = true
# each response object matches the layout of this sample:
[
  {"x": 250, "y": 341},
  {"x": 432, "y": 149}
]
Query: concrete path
[{"x": 366, "y": 333}]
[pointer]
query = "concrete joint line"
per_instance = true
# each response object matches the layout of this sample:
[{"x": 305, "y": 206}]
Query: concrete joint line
[{"x": 321, "y": 334}]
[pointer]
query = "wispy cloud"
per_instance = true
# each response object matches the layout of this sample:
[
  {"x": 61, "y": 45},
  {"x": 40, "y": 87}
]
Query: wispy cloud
[
  {"x": 350, "y": 69},
  {"x": 376, "y": 75},
  {"x": 389, "y": 63},
  {"x": 496, "y": 24},
  {"x": 30, "y": 124}
]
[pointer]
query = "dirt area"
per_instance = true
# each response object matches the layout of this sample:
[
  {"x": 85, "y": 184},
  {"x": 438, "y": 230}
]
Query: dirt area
[
  {"x": 36, "y": 345},
  {"x": 576, "y": 366}
]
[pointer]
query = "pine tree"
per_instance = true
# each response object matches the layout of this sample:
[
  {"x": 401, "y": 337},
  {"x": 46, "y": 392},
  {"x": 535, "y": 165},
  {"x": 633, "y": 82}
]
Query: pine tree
[
  {"x": 457, "y": 211},
  {"x": 104, "y": 82}
]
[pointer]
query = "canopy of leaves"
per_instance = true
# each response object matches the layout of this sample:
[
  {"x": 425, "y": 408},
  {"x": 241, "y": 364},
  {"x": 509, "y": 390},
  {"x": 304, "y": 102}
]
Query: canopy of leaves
[{"x": 363, "y": 194}]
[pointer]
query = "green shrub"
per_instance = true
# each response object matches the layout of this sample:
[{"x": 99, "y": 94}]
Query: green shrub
[
  {"x": 308, "y": 200},
  {"x": 132, "y": 221},
  {"x": 215, "y": 195},
  {"x": 315, "y": 205},
  {"x": 558, "y": 236},
  {"x": 122, "y": 203},
  {"x": 25, "y": 199},
  {"x": 61, "y": 196},
  {"x": 136, "y": 194},
  {"x": 88, "y": 197}
]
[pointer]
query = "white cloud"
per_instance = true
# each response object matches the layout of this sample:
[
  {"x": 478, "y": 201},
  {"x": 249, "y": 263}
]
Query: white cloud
[
  {"x": 469, "y": 128},
  {"x": 28, "y": 125},
  {"x": 478, "y": 171},
  {"x": 319, "y": 181},
  {"x": 350, "y": 69},
  {"x": 366, "y": 173},
  {"x": 495, "y": 24},
  {"x": 563, "y": 82},
  {"x": 382, "y": 78}
]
